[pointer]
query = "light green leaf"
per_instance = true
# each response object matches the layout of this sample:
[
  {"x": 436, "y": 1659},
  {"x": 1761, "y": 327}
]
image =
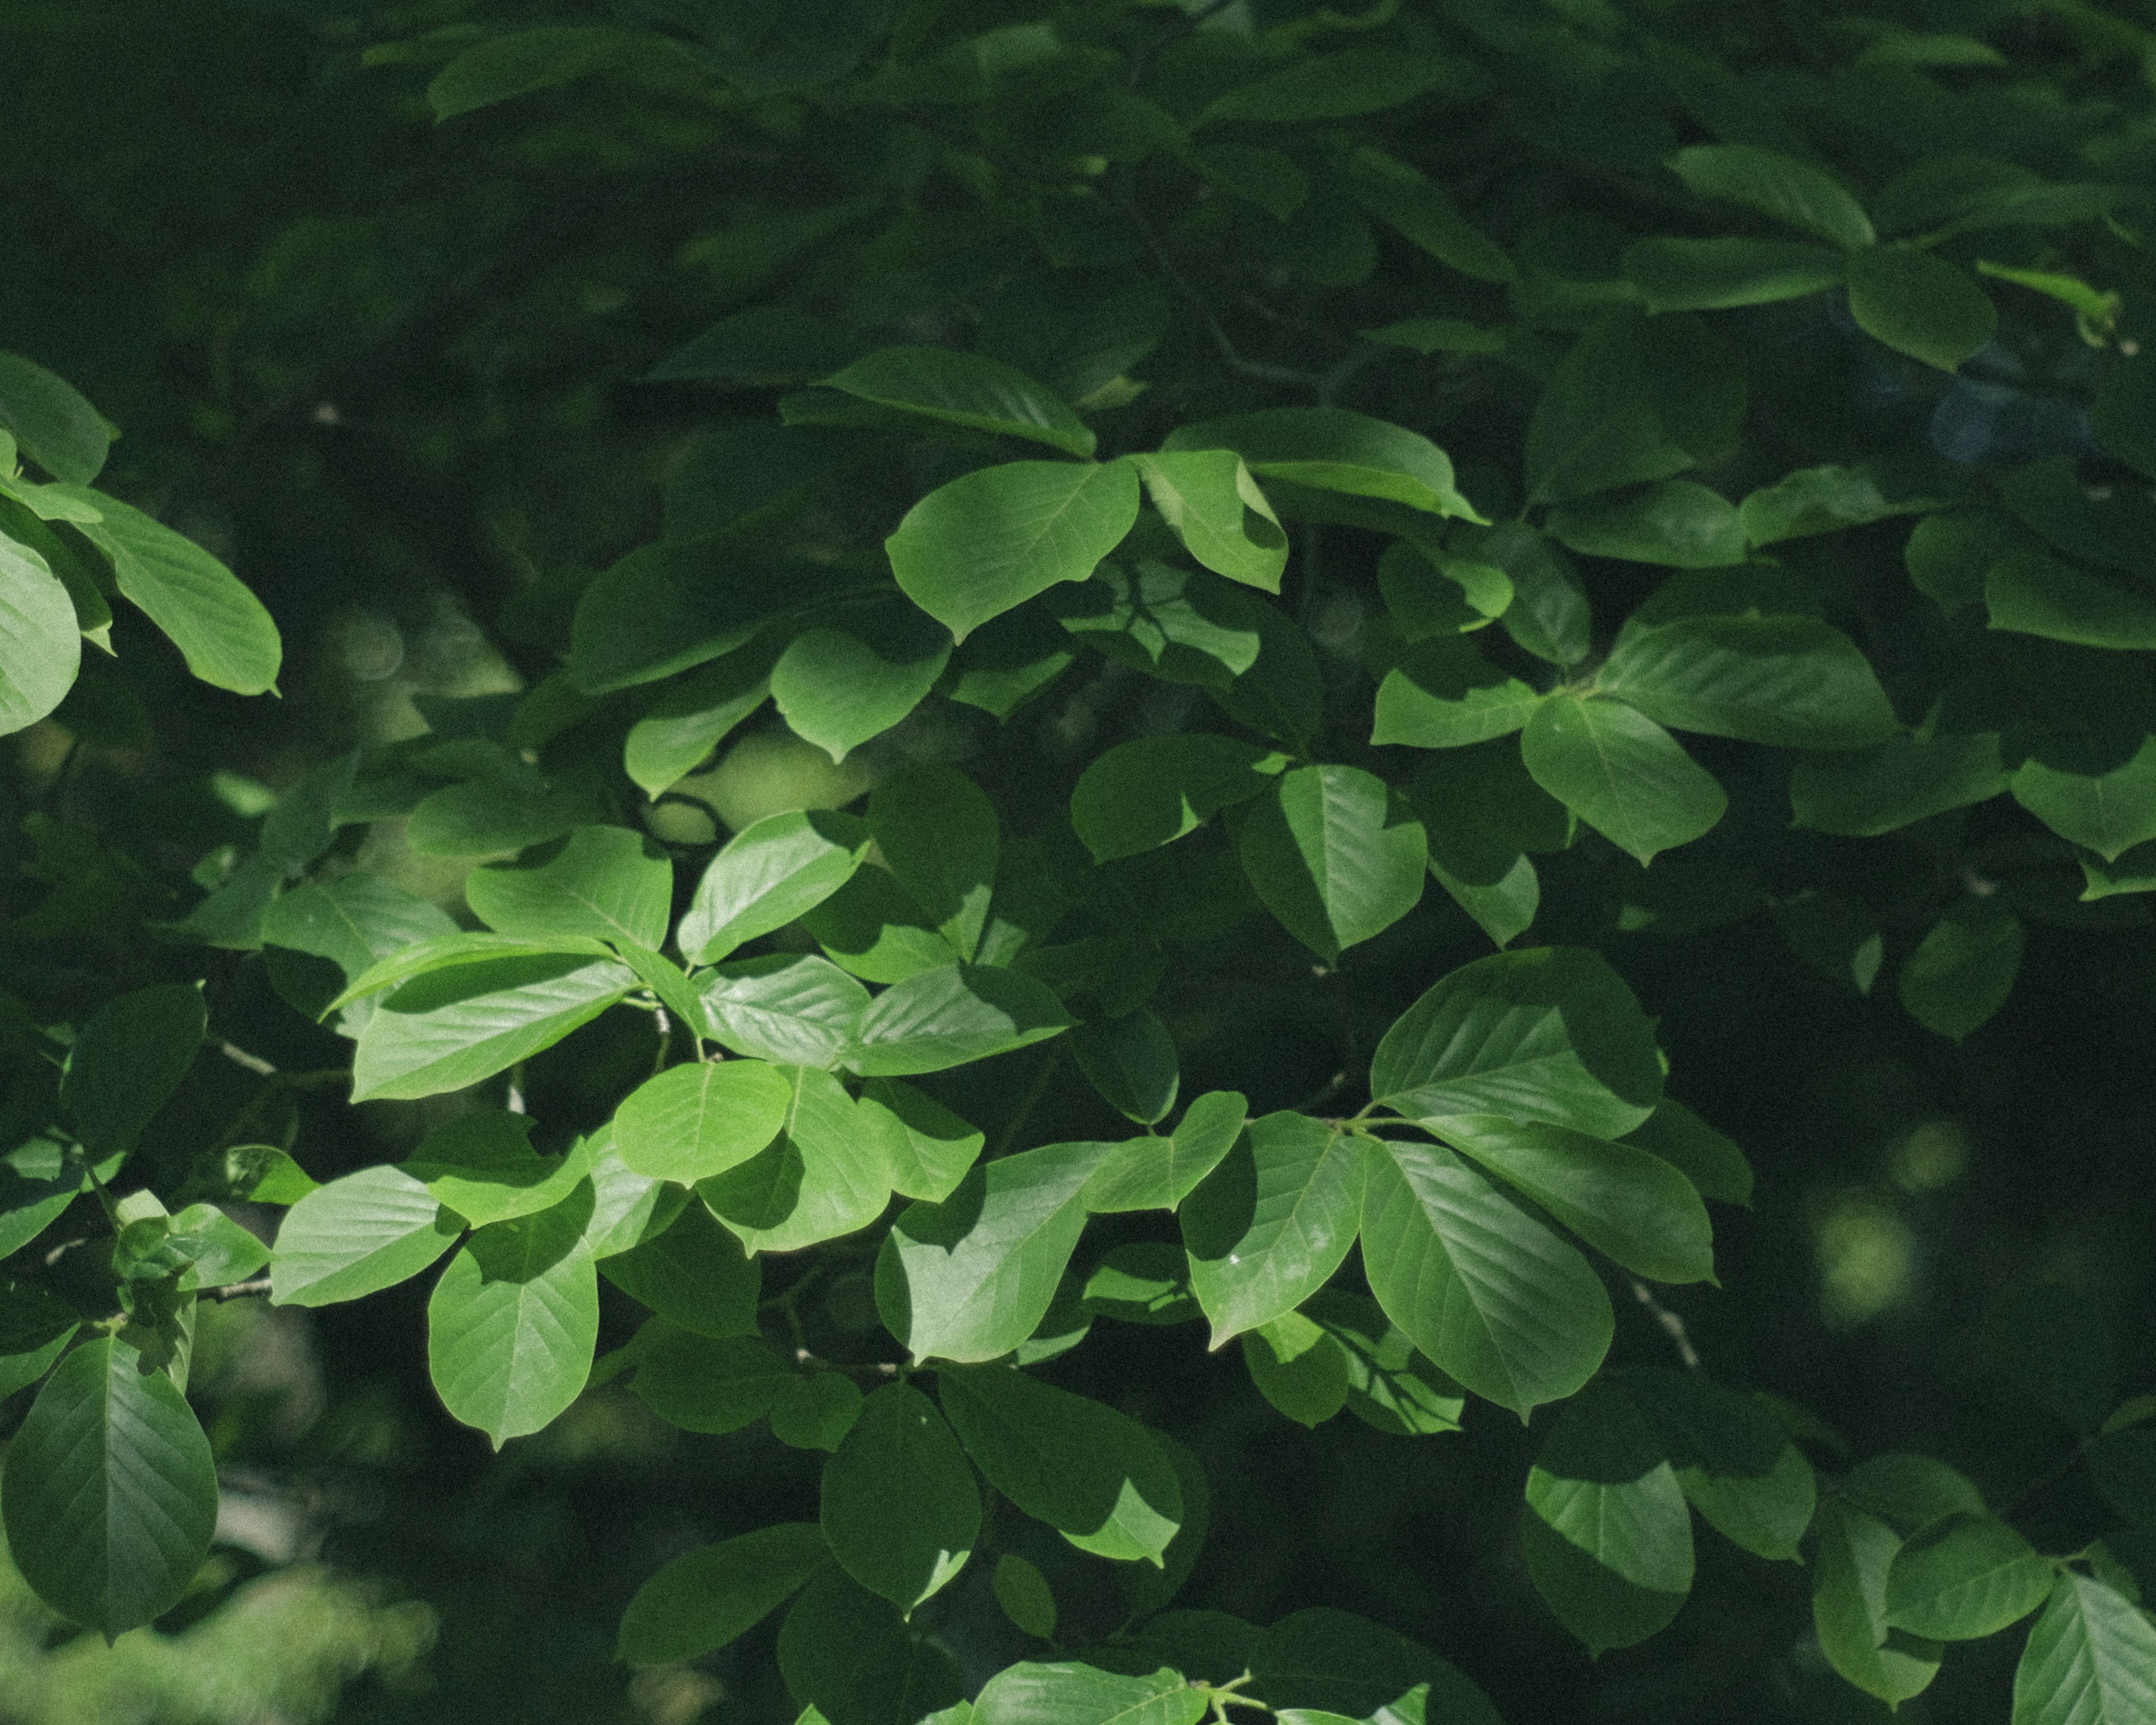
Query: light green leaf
[
  {"x": 970, "y": 1278},
  {"x": 2032, "y": 594},
  {"x": 794, "y": 1010},
  {"x": 1631, "y": 1206},
  {"x": 129, "y": 1060},
  {"x": 220, "y": 628},
  {"x": 1336, "y": 854},
  {"x": 690, "y": 1271},
  {"x": 1210, "y": 499},
  {"x": 1794, "y": 682},
  {"x": 902, "y": 1509},
  {"x": 823, "y": 1176},
  {"x": 358, "y": 1236},
  {"x": 1735, "y": 1463},
  {"x": 1153, "y": 790},
  {"x": 1074, "y": 1694},
  {"x": 1549, "y": 1034},
  {"x": 1965, "y": 1578},
  {"x": 767, "y": 876},
  {"x": 1635, "y": 399},
  {"x": 838, "y": 685},
  {"x": 514, "y": 1321},
  {"x": 1621, "y": 774},
  {"x": 40, "y": 644},
  {"x": 1607, "y": 1534},
  {"x": 1905, "y": 779},
  {"x": 1444, "y": 695},
  {"x": 1961, "y": 971},
  {"x": 1679, "y": 523},
  {"x": 111, "y": 1494},
  {"x": 952, "y": 1016},
  {"x": 715, "y": 1593},
  {"x": 1267, "y": 1227},
  {"x": 1776, "y": 185},
  {"x": 500, "y": 67},
  {"x": 1920, "y": 305},
  {"x": 454, "y": 1028},
  {"x": 2090, "y": 1660},
  {"x": 606, "y": 882},
  {"x": 1714, "y": 1166},
  {"x": 1714, "y": 275},
  {"x": 455, "y": 950},
  {"x": 2098, "y": 791},
  {"x": 1332, "y": 449},
  {"x": 482, "y": 1166},
  {"x": 982, "y": 545},
  {"x": 1298, "y": 1367},
  {"x": 930, "y": 1148},
  {"x": 692, "y": 718},
  {"x": 938, "y": 833},
  {"x": 705, "y": 1383},
  {"x": 51, "y": 422},
  {"x": 965, "y": 389},
  {"x": 1493, "y": 1297},
  {"x": 1158, "y": 1173},
  {"x": 1849, "y": 1608},
  {"x": 1131, "y": 1061},
  {"x": 1097, "y": 1476}
]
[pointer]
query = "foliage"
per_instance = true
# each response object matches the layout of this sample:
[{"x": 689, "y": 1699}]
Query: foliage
[{"x": 979, "y": 829}]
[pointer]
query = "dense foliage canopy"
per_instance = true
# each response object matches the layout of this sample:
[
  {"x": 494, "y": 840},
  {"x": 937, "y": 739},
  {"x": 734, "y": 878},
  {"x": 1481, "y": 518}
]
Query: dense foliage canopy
[{"x": 975, "y": 802}]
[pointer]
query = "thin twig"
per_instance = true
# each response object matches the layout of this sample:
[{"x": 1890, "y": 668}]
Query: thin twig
[
  {"x": 1672, "y": 1325},
  {"x": 253, "y": 1062},
  {"x": 236, "y": 1290}
]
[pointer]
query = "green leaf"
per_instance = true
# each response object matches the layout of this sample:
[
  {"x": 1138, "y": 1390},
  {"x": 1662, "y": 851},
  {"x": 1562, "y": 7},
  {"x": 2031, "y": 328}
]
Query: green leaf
[
  {"x": 1144, "y": 1282},
  {"x": 1437, "y": 335},
  {"x": 40, "y": 645},
  {"x": 454, "y": 1028},
  {"x": 605, "y": 882},
  {"x": 1097, "y": 1476},
  {"x": 38, "y": 1180},
  {"x": 1007, "y": 661},
  {"x": 51, "y": 422},
  {"x": 354, "y": 922},
  {"x": 692, "y": 718},
  {"x": 1332, "y": 449},
  {"x": 1920, "y": 305},
  {"x": 1444, "y": 695},
  {"x": 1406, "y": 201},
  {"x": 970, "y": 1278},
  {"x": 358, "y": 1236},
  {"x": 1635, "y": 399},
  {"x": 2032, "y": 594},
  {"x": 1714, "y": 1166},
  {"x": 1548, "y": 614},
  {"x": 1793, "y": 682},
  {"x": 1678, "y": 523},
  {"x": 1298, "y": 1367},
  {"x": 35, "y": 1329},
  {"x": 668, "y": 608},
  {"x": 482, "y": 1166},
  {"x": 930, "y": 1148},
  {"x": 220, "y": 628},
  {"x": 2089, "y": 1658},
  {"x": 128, "y": 1061},
  {"x": 1905, "y": 779},
  {"x": 846, "y": 1655},
  {"x": 2051, "y": 1339},
  {"x": 1714, "y": 275},
  {"x": 1910, "y": 1492},
  {"x": 1334, "y": 86},
  {"x": 1549, "y": 1034},
  {"x": 1391, "y": 1385},
  {"x": 1776, "y": 185},
  {"x": 964, "y": 389},
  {"x": 902, "y": 1509},
  {"x": 455, "y": 950},
  {"x": 1631, "y": 1206},
  {"x": 1961, "y": 971},
  {"x": 840, "y": 685},
  {"x": 705, "y": 1383},
  {"x": 1965, "y": 1578},
  {"x": 822, "y": 1177},
  {"x": 815, "y": 1412},
  {"x": 111, "y": 1494},
  {"x": 938, "y": 833},
  {"x": 1429, "y": 593},
  {"x": 761, "y": 343},
  {"x": 1073, "y": 1694},
  {"x": 1607, "y": 1534},
  {"x": 1735, "y": 1465},
  {"x": 514, "y": 1322},
  {"x": 1210, "y": 499},
  {"x": 492, "y": 817},
  {"x": 952, "y": 1016},
  {"x": 1335, "y": 1662},
  {"x": 796, "y": 1011},
  {"x": 1479, "y": 809},
  {"x": 1494, "y": 1298},
  {"x": 1024, "y": 1592},
  {"x": 1158, "y": 1173},
  {"x": 1849, "y": 1608},
  {"x": 1151, "y": 791},
  {"x": 2124, "y": 416},
  {"x": 2098, "y": 791},
  {"x": 1621, "y": 774},
  {"x": 769, "y": 875},
  {"x": 1267, "y": 1227},
  {"x": 500, "y": 67},
  {"x": 982, "y": 545},
  {"x": 1336, "y": 854},
  {"x": 871, "y": 927},
  {"x": 1131, "y": 1061},
  {"x": 715, "y": 1593},
  {"x": 692, "y": 1122},
  {"x": 690, "y": 1271},
  {"x": 1818, "y": 500}
]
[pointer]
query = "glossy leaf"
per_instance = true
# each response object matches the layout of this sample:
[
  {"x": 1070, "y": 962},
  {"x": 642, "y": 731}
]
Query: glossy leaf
[
  {"x": 1332, "y": 449},
  {"x": 796, "y": 1011},
  {"x": 357, "y": 1235},
  {"x": 1075, "y": 1694},
  {"x": 715, "y": 1594},
  {"x": 901, "y": 1510},
  {"x": 1267, "y": 1227},
  {"x": 606, "y": 882},
  {"x": 40, "y": 647},
  {"x": 968, "y": 390},
  {"x": 695, "y": 1121},
  {"x": 1794, "y": 682},
  {"x": 1335, "y": 855},
  {"x": 1444, "y": 695},
  {"x": 1920, "y": 305},
  {"x": 51, "y": 422},
  {"x": 1849, "y": 1608},
  {"x": 1621, "y": 774},
  {"x": 481, "y": 1165},
  {"x": 447, "y": 1030},
  {"x": 948, "y": 1016},
  {"x": 767, "y": 876},
  {"x": 930, "y": 1148},
  {"x": 2098, "y": 790},
  {"x": 853, "y": 677},
  {"x": 1964, "y": 1578},
  {"x": 1735, "y": 1465},
  {"x": 2032, "y": 594},
  {"x": 1216, "y": 510},
  {"x": 689, "y": 1271},
  {"x": 822, "y": 1177},
  {"x": 2091, "y": 1656},
  {"x": 1158, "y": 1173}
]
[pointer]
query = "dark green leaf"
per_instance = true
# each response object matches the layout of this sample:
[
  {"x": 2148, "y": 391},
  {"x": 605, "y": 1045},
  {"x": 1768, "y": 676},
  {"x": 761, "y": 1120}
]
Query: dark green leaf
[
  {"x": 1818, "y": 500},
  {"x": 1961, "y": 971},
  {"x": 1714, "y": 275},
  {"x": 443, "y": 1031},
  {"x": 938, "y": 833},
  {"x": 1336, "y": 854},
  {"x": 1158, "y": 1173},
  {"x": 1146, "y": 793},
  {"x": 1267, "y": 1227},
  {"x": 1621, "y": 774},
  {"x": 1794, "y": 682},
  {"x": 1861, "y": 794},
  {"x": 35, "y": 1326},
  {"x": 1024, "y": 1592},
  {"x": 705, "y": 1383},
  {"x": 1444, "y": 695},
  {"x": 51, "y": 422},
  {"x": 1714, "y": 1166},
  {"x": 797, "y": 1011},
  {"x": 1776, "y": 185},
  {"x": 1298, "y": 1367},
  {"x": 1332, "y": 449},
  {"x": 501, "y": 67},
  {"x": 1678, "y": 523},
  {"x": 1735, "y": 1463},
  {"x": 482, "y": 1166},
  {"x": 1402, "y": 197},
  {"x": 901, "y": 1510},
  {"x": 815, "y": 1412},
  {"x": 1391, "y": 1385},
  {"x": 692, "y": 718},
  {"x": 841, "y": 684},
  {"x": 823, "y": 1176},
  {"x": 1920, "y": 305},
  {"x": 1849, "y": 1608},
  {"x": 1336, "y": 86},
  {"x": 2091, "y": 1657},
  {"x": 2032, "y": 594},
  {"x": 129, "y": 1060},
  {"x": 690, "y": 1271},
  {"x": 951, "y": 1015},
  {"x": 1072, "y": 1694},
  {"x": 1131, "y": 1061},
  {"x": 931, "y": 1148},
  {"x": 712, "y": 1595},
  {"x": 40, "y": 647},
  {"x": 964, "y": 389}
]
